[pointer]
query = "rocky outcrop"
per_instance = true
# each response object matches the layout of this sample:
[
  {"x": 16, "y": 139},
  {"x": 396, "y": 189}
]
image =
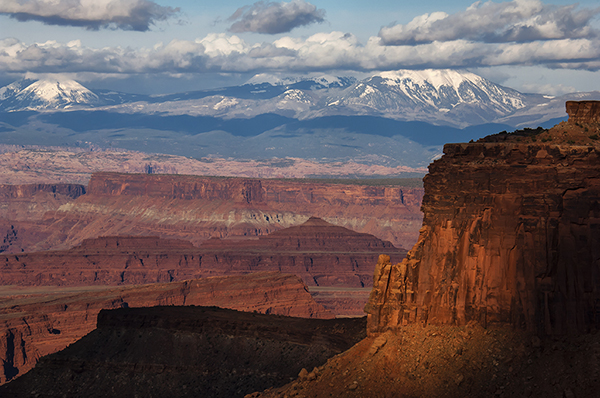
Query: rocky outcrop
[
  {"x": 342, "y": 301},
  {"x": 187, "y": 352},
  {"x": 34, "y": 325},
  {"x": 72, "y": 191},
  {"x": 510, "y": 234},
  {"x": 318, "y": 252},
  {"x": 22, "y": 208},
  {"x": 455, "y": 362},
  {"x": 583, "y": 111},
  {"x": 199, "y": 208},
  {"x": 314, "y": 235}
]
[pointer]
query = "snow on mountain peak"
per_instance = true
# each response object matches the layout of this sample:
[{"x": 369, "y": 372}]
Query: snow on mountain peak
[
  {"x": 58, "y": 93},
  {"x": 435, "y": 77},
  {"x": 45, "y": 94},
  {"x": 276, "y": 80},
  {"x": 14, "y": 88}
]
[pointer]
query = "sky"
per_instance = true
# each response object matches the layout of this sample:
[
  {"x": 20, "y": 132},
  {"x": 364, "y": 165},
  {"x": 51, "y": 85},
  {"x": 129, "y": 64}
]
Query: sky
[{"x": 154, "y": 47}]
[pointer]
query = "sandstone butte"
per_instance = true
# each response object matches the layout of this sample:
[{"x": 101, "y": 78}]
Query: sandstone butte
[
  {"x": 41, "y": 321},
  {"x": 318, "y": 252},
  {"x": 198, "y": 208},
  {"x": 511, "y": 234}
]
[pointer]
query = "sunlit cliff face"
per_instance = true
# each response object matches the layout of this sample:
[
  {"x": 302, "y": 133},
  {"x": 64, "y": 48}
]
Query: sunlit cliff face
[{"x": 510, "y": 234}]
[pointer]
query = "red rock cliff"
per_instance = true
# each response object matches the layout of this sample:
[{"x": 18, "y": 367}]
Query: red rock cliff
[
  {"x": 318, "y": 252},
  {"x": 22, "y": 208},
  {"x": 583, "y": 111},
  {"x": 511, "y": 233},
  {"x": 72, "y": 191},
  {"x": 198, "y": 208}
]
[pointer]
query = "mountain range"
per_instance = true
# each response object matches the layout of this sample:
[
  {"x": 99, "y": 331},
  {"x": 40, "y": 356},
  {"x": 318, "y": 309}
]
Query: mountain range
[{"x": 392, "y": 118}]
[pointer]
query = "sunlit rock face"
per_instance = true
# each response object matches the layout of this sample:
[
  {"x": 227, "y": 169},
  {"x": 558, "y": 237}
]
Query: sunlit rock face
[
  {"x": 583, "y": 111},
  {"x": 511, "y": 233}
]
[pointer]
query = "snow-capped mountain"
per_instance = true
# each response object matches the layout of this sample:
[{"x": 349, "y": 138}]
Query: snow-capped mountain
[
  {"x": 13, "y": 89},
  {"x": 308, "y": 82},
  {"x": 402, "y": 116},
  {"x": 440, "y": 97},
  {"x": 46, "y": 95},
  {"x": 446, "y": 96}
]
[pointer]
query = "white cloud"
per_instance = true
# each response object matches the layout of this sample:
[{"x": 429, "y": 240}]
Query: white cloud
[
  {"x": 514, "y": 21},
  {"x": 223, "y": 53},
  {"x": 92, "y": 14},
  {"x": 273, "y": 18},
  {"x": 552, "y": 89}
]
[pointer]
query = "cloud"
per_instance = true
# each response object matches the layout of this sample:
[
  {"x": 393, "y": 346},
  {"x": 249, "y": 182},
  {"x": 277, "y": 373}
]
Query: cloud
[
  {"x": 517, "y": 21},
  {"x": 272, "y": 18},
  {"x": 136, "y": 15},
  {"x": 552, "y": 89},
  {"x": 224, "y": 53}
]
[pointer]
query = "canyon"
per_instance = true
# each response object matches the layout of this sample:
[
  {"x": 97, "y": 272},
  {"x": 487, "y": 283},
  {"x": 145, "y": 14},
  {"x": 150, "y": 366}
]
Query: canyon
[
  {"x": 40, "y": 317},
  {"x": 497, "y": 297},
  {"x": 199, "y": 208},
  {"x": 39, "y": 321},
  {"x": 318, "y": 252}
]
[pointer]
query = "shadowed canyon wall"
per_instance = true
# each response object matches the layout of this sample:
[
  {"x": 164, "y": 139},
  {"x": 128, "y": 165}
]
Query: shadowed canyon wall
[
  {"x": 40, "y": 322},
  {"x": 186, "y": 352},
  {"x": 511, "y": 233}
]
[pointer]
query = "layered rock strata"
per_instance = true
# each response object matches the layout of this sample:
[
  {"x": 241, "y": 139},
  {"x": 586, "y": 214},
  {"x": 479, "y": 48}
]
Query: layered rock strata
[
  {"x": 583, "y": 111},
  {"x": 198, "y": 208},
  {"x": 187, "y": 352},
  {"x": 342, "y": 301},
  {"x": 320, "y": 253},
  {"x": 511, "y": 233},
  {"x": 37, "y": 323},
  {"x": 22, "y": 209}
]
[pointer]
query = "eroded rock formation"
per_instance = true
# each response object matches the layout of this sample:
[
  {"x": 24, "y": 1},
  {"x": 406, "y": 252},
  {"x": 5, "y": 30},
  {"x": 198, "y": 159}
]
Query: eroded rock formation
[
  {"x": 198, "y": 208},
  {"x": 511, "y": 233},
  {"x": 318, "y": 252},
  {"x": 22, "y": 209},
  {"x": 583, "y": 111},
  {"x": 37, "y": 323}
]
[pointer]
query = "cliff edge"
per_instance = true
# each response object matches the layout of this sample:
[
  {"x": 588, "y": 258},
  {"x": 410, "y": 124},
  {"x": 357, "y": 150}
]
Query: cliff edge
[{"x": 511, "y": 234}]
